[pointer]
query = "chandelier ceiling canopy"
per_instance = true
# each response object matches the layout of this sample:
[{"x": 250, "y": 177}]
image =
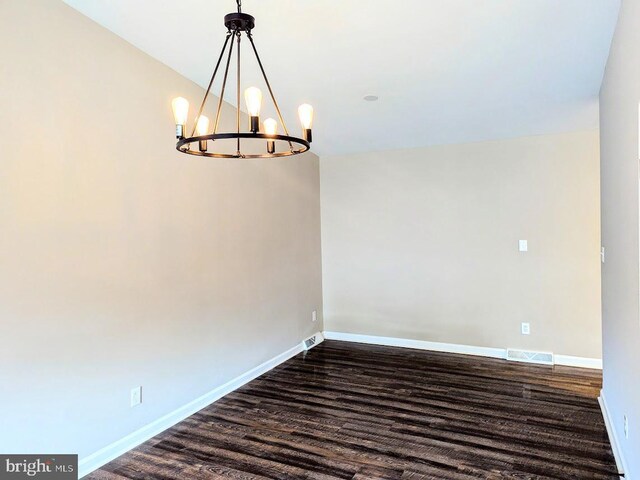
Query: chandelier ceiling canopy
[{"x": 208, "y": 139}]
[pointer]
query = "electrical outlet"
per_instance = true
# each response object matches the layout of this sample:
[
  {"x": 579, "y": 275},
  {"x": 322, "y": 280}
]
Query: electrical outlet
[
  {"x": 136, "y": 396},
  {"x": 523, "y": 245},
  {"x": 626, "y": 427},
  {"x": 602, "y": 254},
  {"x": 314, "y": 316},
  {"x": 525, "y": 328}
]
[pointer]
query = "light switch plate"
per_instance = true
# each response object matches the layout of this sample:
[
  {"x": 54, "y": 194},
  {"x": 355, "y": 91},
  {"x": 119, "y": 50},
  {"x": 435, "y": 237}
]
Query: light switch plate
[
  {"x": 314, "y": 316},
  {"x": 136, "y": 396},
  {"x": 523, "y": 245},
  {"x": 525, "y": 328},
  {"x": 626, "y": 427}
]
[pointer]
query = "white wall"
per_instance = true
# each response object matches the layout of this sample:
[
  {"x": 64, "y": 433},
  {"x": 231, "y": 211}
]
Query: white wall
[
  {"x": 619, "y": 99},
  {"x": 423, "y": 244},
  {"x": 123, "y": 262}
]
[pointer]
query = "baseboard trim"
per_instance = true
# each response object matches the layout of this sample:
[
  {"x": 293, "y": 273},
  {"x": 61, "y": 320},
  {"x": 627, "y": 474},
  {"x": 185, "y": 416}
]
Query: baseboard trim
[
  {"x": 581, "y": 362},
  {"x": 417, "y": 344},
  {"x": 566, "y": 360},
  {"x": 613, "y": 437},
  {"x": 105, "y": 455}
]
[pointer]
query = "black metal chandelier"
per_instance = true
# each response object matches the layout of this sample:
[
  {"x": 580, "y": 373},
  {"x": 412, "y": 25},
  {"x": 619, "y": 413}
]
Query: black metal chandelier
[{"x": 236, "y": 24}]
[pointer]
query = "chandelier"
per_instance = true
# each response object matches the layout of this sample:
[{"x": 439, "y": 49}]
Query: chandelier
[{"x": 209, "y": 140}]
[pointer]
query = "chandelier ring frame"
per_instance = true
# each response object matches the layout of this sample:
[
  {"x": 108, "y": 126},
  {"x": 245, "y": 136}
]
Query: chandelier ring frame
[{"x": 184, "y": 145}]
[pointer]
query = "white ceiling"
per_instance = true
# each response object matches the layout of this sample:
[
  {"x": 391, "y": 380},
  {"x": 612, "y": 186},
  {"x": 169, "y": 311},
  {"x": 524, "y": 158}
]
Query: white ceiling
[{"x": 446, "y": 71}]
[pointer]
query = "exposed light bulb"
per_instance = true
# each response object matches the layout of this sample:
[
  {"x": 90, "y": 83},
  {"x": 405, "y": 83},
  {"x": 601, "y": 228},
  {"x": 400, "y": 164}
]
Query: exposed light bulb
[
  {"x": 253, "y": 98},
  {"x": 202, "y": 127},
  {"x": 180, "y": 113},
  {"x": 180, "y": 110},
  {"x": 305, "y": 112},
  {"x": 270, "y": 126}
]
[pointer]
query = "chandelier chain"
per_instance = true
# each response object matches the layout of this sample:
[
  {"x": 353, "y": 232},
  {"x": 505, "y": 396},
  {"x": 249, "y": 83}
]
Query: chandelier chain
[{"x": 239, "y": 2}]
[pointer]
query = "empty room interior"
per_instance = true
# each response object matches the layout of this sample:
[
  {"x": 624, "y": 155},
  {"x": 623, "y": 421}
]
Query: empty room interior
[{"x": 319, "y": 239}]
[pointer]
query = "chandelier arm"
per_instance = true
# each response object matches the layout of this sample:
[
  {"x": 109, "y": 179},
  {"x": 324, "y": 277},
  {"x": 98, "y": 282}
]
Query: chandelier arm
[
  {"x": 238, "y": 96},
  {"x": 215, "y": 71},
  {"x": 273, "y": 98},
  {"x": 224, "y": 84}
]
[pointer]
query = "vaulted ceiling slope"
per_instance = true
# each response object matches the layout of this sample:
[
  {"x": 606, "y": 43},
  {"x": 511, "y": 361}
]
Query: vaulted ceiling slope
[{"x": 445, "y": 71}]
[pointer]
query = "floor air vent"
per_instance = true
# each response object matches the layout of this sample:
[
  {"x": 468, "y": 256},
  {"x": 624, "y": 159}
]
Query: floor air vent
[
  {"x": 545, "y": 358},
  {"x": 312, "y": 341}
]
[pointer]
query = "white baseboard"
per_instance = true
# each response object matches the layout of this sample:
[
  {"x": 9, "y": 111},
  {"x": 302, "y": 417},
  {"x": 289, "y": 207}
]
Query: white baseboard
[
  {"x": 613, "y": 438},
  {"x": 418, "y": 344},
  {"x": 582, "y": 362},
  {"x": 566, "y": 360},
  {"x": 105, "y": 455}
]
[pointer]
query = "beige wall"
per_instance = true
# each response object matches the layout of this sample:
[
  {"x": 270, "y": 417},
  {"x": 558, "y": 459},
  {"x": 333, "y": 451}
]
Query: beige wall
[
  {"x": 423, "y": 244},
  {"x": 619, "y": 99},
  {"x": 123, "y": 262}
]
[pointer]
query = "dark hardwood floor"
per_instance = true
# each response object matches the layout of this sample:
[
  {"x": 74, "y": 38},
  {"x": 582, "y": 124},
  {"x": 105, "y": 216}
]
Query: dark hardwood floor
[{"x": 353, "y": 411}]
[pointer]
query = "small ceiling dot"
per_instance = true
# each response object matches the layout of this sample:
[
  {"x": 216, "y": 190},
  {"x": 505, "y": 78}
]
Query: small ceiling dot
[{"x": 371, "y": 98}]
